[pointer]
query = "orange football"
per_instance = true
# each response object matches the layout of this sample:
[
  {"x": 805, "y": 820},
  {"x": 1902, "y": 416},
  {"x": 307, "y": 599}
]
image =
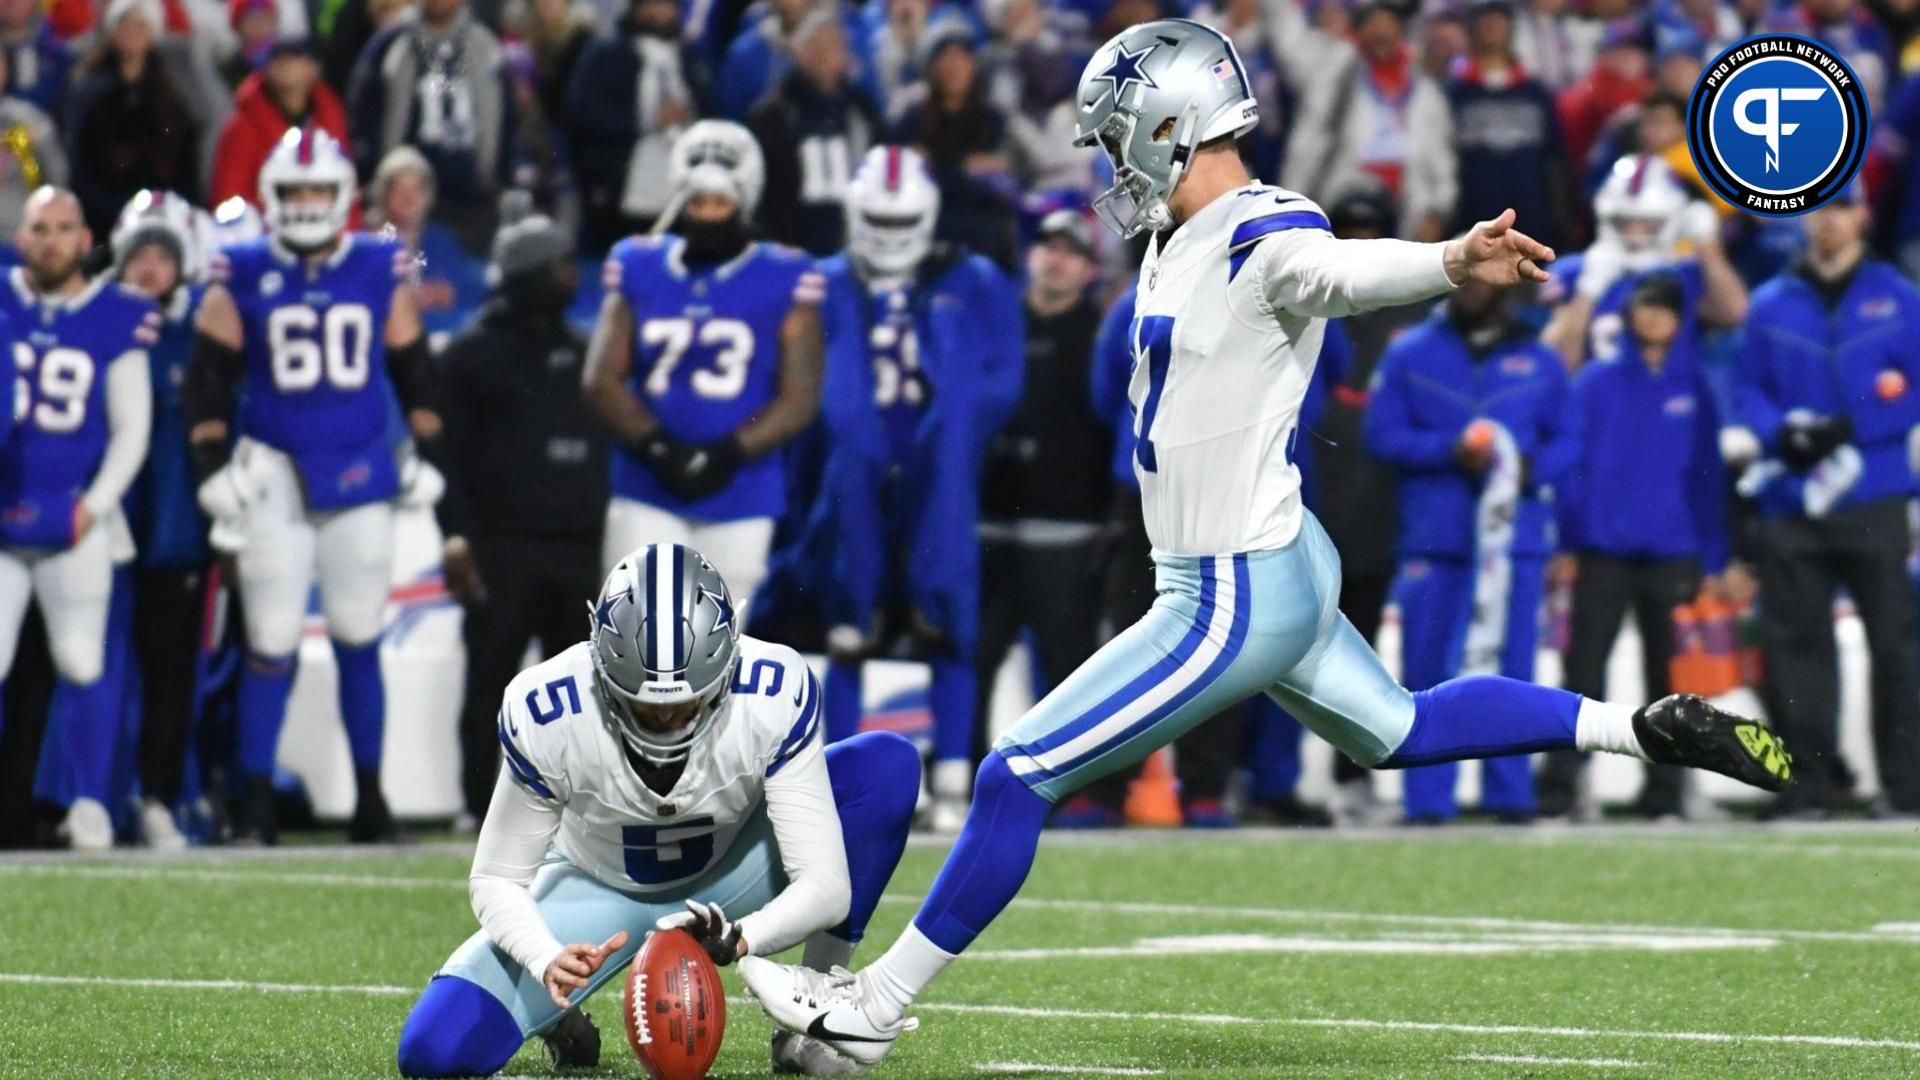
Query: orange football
[{"x": 676, "y": 1009}]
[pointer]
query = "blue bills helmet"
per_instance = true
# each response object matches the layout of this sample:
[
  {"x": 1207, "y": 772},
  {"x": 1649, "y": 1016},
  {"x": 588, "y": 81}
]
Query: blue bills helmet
[
  {"x": 665, "y": 643},
  {"x": 1149, "y": 97}
]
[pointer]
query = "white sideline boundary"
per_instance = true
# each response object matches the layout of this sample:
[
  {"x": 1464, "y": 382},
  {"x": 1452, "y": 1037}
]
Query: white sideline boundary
[
  {"x": 1885, "y": 933},
  {"x": 1036, "y": 1013},
  {"x": 1528, "y": 1059}
]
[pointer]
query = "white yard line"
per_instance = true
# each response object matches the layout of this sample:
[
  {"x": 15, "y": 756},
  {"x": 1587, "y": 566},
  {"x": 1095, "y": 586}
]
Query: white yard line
[
  {"x": 1526, "y": 1059},
  {"x": 207, "y": 984},
  {"x": 1187, "y": 1018},
  {"x": 1885, "y": 933},
  {"x": 1019, "y": 1067}
]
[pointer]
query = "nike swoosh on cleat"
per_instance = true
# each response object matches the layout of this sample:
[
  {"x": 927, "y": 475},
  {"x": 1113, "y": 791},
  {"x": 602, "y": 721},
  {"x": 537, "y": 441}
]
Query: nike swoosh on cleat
[{"x": 819, "y": 1030}]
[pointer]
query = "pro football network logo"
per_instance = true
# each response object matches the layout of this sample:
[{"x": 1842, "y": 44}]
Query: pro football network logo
[{"x": 1777, "y": 124}]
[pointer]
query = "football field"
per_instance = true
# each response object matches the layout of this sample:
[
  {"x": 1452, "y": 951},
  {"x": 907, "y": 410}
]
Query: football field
[{"x": 1467, "y": 952}]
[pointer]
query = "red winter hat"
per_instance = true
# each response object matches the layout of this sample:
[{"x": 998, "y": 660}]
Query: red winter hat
[{"x": 238, "y": 9}]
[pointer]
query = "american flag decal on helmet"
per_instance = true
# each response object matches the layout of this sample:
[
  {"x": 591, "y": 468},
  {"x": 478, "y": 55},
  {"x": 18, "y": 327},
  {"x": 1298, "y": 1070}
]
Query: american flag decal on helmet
[{"x": 1223, "y": 70}]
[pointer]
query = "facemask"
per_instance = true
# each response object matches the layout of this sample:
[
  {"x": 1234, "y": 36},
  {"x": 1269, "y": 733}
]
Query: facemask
[{"x": 710, "y": 242}]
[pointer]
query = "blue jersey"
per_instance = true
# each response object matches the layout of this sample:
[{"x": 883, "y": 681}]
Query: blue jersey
[
  {"x": 706, "y": 359},
  {"x": 901, "y": 389},
  {"x": 62, "y": 347},
  {"x": 1608, "y": 326},
  {"x": 316, "y": 384},
  {"x": 168, "y": 529}
]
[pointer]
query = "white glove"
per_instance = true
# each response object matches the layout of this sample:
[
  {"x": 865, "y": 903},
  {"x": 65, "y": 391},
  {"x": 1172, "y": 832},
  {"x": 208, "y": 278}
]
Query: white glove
[
  {"x": 421, "y": 485},
  {"x": 709, "y": 926},
  {"x": 1600, "y": 266},
  {"x": 227, "y": 496},
  {"x": 1738, "y": 446},
  {"x": 1700, "y": 225}
]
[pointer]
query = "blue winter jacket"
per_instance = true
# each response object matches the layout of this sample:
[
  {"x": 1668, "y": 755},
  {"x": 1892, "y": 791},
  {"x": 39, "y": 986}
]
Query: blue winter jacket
[
  {"x": 1648, "y": 482},
  {"x": 1860, "y": 359},
  {"x": 972, "y": 334},
  {"x": 1112, "y": 367},
  {"x": 1428, "y": 389},
  {"x": 168, "y": 528}
]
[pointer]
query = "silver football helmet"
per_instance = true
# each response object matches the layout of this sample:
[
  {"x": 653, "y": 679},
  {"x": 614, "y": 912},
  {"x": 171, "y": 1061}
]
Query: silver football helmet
[
  {"x": 664, "y": 646},
  {"x": 1149, "y": 97}
]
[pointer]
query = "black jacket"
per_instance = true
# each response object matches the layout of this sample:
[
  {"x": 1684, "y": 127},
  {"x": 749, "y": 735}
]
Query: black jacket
[
  {"x": 1052, "y": 459},
  {"x": 801, "y": 209},
  {"x": 522, "y": 455}
]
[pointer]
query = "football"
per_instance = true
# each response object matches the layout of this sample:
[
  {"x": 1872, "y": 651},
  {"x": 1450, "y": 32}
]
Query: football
[{"x": 676, "y": 1009}]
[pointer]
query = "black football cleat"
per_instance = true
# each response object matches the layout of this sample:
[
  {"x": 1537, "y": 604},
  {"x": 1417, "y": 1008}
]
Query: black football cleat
[
  {"x": 372, "y": 822},
  {"x": 1685, "y": 729},
  {"x": 573, "y": 1043},
  {"x": 258, "y": 826}
]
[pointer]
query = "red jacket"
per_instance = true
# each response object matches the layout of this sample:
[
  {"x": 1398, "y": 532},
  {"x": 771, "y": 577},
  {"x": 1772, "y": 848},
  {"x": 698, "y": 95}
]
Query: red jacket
[{"x": 255, "y": 126}]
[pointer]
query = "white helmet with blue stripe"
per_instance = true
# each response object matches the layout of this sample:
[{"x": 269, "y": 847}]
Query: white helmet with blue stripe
[
  {"x": 1149, "y": 97},
  {"x": 665, "y": 643}
]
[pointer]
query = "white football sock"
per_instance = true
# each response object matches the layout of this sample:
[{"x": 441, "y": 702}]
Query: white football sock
[
  {"x": 824, "y": 952},
  {"x": 1605, "y": 727},
  {"x": 953, "y": 779},
  {"x": 899, "y": 976}
]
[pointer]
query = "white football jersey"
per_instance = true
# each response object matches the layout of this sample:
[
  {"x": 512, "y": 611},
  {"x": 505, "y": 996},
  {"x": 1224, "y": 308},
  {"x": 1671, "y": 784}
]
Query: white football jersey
[
  {"x": 1218, "y": 379},
  {"x": 558, "y": 746}
]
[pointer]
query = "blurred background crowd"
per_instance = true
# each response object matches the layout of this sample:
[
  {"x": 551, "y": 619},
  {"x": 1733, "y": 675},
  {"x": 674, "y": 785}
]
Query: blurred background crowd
[{"x": 1711, "y": 416}]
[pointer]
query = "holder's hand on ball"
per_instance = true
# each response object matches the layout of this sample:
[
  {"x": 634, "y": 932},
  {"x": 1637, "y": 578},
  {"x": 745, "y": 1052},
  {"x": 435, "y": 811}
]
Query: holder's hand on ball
[
  {"x": 711, "y": 928},
  {"x": 576, "y": 964}
]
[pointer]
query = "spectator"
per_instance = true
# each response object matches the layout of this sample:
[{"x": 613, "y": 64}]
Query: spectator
[
  {"x": 549, "y": 36},
  {"x": 1443, "y": 43},
  {"x": 127, "y": 126},
  {"x": 1032, "y": 68},
  {"x": 1829, "y": 384},
  {"x": 1044, "y": 490},
  {"x": 762, "y": 53},
  {"x": 812, "y": 127},
  {"x": 1367, "y": 110},
  {"x": 633, "y": 92},
  {"x": 526, "y": 470},
  {"x": 435, "y": 81},
  {"x": 286, "y": 92},
  {"x": 238, "y": 31},
  {"x": 1471, "y": 411},
  {"x": 347, "y": 26},
  {"x": 1506, "y": 134},
  {"x": 1618, "y": 79},
  {"x": 39, "y": 63},
  {"x": 451, "y": 283},
  {"x": 1650, "y": 440},
  {"x": 898, "y": 50},
  {"x": 1553, "y": 42},
  {"x": 1846, "y": 27},
  {"x": 1896, "y": 135},
  {"x": 1242, "y": 21},
  {"x": 30, "y": 153},
  {"x": 256, "y": 29},
  {"x": 964, "y": 139}
]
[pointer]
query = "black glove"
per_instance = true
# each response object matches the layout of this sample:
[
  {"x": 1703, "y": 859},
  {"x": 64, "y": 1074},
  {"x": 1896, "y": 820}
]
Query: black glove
[
  {"x": 710, "y": 468},
  {"x": 209, "y": 457},
  {"x": 667, "y": 457},
  {"x": 928, "y": 640},
  {"x": 1804, "y": 444}
]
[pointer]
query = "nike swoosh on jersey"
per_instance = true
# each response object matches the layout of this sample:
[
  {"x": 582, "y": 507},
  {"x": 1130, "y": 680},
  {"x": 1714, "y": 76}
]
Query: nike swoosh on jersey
[{"x": 819, "y": 1030}]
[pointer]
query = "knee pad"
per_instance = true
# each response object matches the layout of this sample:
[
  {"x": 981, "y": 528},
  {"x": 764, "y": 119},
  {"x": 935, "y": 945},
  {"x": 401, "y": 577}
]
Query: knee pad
[
  {"x": 78, "y": 659},
  {"x": 457, "y": 1029},
  {"x": 888, "y": 764}
]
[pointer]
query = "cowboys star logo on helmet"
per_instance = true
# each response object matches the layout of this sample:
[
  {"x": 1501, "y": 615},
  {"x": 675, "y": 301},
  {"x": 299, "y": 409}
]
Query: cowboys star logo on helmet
[{"x": 1777, "y": 124}]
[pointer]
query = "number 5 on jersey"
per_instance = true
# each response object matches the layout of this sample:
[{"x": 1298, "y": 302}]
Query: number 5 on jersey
[{"x": 1152, "y": 346}]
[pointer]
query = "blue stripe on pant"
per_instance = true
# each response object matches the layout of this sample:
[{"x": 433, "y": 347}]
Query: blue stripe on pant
[
  {"x": 1435, "y": 597},
  {"x": 1222, "y": 629},
  {"x": 481, "y": 1005}
]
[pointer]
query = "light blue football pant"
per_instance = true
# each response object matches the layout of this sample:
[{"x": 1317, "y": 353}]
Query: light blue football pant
[
  {"x": 578, "y": 907},
  {"x": 1223, "y": 628}
]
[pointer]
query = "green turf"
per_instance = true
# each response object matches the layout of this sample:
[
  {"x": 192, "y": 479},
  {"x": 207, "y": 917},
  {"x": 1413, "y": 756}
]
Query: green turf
[{"x": 1811, "y": 967}]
